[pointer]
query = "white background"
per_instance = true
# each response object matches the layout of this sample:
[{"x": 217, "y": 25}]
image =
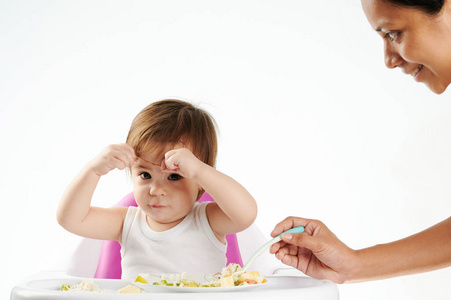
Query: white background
[{"x": 311, "y": 121}]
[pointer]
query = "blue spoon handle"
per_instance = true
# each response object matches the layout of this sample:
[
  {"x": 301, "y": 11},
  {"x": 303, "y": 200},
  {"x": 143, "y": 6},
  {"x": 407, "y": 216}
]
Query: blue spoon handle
[
  {"x": 268, "y": 244},
  {"x": 299, "y": 229}
]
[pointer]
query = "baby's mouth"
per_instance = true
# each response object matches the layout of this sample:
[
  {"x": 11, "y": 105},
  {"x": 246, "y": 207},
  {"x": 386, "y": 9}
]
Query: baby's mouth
[
  {"x": 157, "y": 206},
  {"x": 415, "y": 72}
]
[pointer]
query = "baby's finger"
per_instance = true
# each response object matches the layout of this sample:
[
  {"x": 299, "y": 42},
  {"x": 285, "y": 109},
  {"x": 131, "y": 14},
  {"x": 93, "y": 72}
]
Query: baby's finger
[
  {"x": 163, "y": 166},
  {"x": 123, "y": 159},
  {"x": 170, "y": 166},
  {"x": 130, "y": 154},
  {"x": 120, "y": 164},
  {"x": 170, "y": 161}
]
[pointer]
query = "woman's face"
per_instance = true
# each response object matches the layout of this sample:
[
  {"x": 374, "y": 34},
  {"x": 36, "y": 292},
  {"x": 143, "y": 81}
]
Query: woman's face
[{"x": 416, "y": 42}]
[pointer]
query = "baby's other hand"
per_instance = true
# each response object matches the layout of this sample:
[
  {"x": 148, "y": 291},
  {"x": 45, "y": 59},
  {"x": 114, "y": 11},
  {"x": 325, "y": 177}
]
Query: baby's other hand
[
  {"x": 181, "y": 161},
  {"x": 113, "y": 156}
]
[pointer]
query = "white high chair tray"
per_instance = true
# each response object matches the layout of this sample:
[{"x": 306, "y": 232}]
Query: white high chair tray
[{"x": 46, "y": 286}]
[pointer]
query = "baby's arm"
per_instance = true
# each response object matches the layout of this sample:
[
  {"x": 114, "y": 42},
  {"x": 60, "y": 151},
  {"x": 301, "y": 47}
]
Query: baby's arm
[
  {"x": 234, "y": 208},
  {"x": 75, "y": 212}
]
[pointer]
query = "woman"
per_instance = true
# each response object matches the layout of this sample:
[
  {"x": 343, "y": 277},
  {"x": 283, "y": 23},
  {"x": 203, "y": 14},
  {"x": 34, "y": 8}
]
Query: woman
[{"x": 417, "y": 39}]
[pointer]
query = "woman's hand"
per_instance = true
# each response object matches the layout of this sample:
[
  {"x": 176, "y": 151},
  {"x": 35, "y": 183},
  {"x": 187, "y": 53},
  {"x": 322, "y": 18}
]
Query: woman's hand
[
  {"x": 116, "y": 156},
  {"x": 317, "y": 252},
  {"x": 320, "y": 254}
]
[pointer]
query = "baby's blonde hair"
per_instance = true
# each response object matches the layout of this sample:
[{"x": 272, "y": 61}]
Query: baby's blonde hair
[{"x": 170, "y": 122}]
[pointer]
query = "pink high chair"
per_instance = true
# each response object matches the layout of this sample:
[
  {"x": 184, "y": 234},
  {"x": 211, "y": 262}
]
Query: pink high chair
[{"x": 109, "y": 265}]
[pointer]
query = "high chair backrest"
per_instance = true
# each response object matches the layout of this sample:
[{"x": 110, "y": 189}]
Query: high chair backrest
[{"x": 109, "y": 265}]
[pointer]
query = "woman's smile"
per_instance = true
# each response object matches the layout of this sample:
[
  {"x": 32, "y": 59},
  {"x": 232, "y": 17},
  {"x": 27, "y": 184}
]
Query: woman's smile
[
  {"x": 412, "y": 71},
  {"x": 416, "y": 71}
]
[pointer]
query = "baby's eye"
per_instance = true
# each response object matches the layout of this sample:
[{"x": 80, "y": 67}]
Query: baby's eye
[
  {"x": 145, "y": 175},
  {"x": 174, "y": 177}
]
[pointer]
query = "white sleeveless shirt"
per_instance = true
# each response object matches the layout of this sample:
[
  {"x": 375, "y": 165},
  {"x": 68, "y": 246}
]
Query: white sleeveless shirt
[{"x": 191, "y": 246}]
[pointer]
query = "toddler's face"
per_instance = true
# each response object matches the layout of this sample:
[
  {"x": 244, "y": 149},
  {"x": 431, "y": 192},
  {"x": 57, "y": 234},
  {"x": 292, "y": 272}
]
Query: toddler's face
[{"x": 165, "y": 197}]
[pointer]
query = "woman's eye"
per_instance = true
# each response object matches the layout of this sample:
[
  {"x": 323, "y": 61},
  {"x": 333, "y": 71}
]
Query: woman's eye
[
  {"x": 174, "y": 176},
  {"x": 391, "y": 35},
  {"x": 145, "y": 175}
]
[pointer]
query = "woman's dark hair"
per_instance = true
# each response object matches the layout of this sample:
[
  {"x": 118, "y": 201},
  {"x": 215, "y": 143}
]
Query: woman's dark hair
[{"x": 431, "y": 7}]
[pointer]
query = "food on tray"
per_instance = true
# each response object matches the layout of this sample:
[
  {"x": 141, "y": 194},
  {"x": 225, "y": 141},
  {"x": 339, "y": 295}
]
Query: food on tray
[
  {"x": 179, "y": 282},
  {"x": 140, "y": 279},
  {"x": 89, "y": 286},
  {"x": 84, "y": 286},
  {"x": 232, "y": 275},
  {"x": 130, "y": 289}
]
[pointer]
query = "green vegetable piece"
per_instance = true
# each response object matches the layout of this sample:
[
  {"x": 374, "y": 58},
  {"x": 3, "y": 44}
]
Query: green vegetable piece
[
  {"x": 141, "y": 279},
  {"x": 65, "y": 287}
]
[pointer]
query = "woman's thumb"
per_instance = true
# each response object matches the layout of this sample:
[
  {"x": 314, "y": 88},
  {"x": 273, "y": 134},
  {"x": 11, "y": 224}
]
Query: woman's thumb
[{"x": 299, "y": 239}]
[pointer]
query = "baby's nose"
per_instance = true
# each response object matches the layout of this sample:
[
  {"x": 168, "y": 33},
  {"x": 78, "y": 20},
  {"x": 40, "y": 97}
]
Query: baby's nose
[{"x": 157, "y": 189}]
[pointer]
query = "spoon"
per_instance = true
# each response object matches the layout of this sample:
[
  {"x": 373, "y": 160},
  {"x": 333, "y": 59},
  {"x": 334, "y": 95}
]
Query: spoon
[{"x": 262, "y": 249}]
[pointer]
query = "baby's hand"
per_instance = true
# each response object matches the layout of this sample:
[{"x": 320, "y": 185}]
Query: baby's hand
[
  {"x": 114, "y": 156},
  {"x": 181, "y": 161}
]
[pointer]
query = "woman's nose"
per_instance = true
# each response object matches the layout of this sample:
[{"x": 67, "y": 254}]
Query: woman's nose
[{"x": 392, "y": 57}]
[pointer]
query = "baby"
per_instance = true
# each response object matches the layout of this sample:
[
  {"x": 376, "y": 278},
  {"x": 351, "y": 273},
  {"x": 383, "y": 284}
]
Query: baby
[{"x": 171, "y": 153}]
